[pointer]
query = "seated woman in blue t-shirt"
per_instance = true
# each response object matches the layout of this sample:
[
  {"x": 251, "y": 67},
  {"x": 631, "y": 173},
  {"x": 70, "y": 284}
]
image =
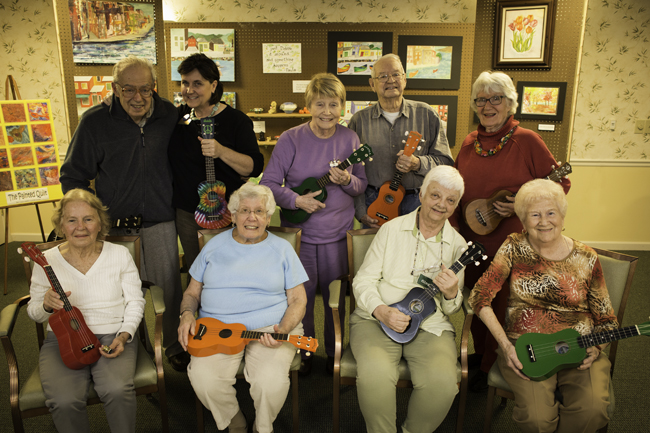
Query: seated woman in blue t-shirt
[{"x": 250, "y": 276}]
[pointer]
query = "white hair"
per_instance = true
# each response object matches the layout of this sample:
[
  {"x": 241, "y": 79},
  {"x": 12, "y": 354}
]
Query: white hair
[
  {"x": 495, "y": 82},
  {"x": 251, "y": 190},
  {"x": 390, "y": 56},
  {"x": 132, "y": 61},
  {"x": 447, "y": 177}
]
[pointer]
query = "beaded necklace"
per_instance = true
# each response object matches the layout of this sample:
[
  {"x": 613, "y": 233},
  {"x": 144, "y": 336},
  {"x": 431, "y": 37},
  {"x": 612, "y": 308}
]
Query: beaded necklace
[
  {"x": 417, "y": 247},
  {"x": 479, "y": 150}
]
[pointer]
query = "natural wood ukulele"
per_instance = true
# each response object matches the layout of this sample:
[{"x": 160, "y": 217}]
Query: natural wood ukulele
[{"x": 391, "y": 193}]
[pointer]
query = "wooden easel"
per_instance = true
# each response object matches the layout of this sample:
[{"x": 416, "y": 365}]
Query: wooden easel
[{"x": 11, "y": 85}]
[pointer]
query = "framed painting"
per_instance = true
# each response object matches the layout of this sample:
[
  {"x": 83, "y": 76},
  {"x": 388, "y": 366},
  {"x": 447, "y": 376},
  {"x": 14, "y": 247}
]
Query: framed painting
[
  {"x": 523, "y": 37},
  {"x": 431, "y": 62},
  {"x": 541, "y": 100},
  {"x": 107, "y": 32},
  {"x": 445, "y": 106},
  {"x": 217, "y": 44},
  {"x": 350, "y": 55}
]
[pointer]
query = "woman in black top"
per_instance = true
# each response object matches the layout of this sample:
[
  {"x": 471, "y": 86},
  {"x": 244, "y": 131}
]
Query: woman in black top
[{"x": 234, "y": 150}]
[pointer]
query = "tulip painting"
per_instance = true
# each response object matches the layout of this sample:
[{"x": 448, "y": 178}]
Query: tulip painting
[{"x": 523, "y": 32}]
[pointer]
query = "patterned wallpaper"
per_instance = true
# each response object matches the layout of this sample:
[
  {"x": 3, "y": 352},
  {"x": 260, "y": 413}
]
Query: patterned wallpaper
[
  {"x": 30, "y": 53},
  {"x": 613, "y": 83},
  {"x": 324, "y": 11}
]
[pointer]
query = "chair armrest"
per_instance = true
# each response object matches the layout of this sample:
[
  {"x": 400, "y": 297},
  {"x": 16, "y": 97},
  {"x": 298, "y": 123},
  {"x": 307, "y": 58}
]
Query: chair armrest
[
  {"x": 158, "y": 299},
  {"x": 467, "y": 309},
  {"x": 9, "y": 315},
  {"x": 335, "y": 293}
]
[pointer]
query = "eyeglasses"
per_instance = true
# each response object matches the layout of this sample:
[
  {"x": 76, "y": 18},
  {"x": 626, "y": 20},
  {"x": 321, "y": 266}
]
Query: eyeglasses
[
  {"x": 495, "y": 100},
  {"x": 259, "y": 213},
  {"x": 395, "y": 76},
  {"x": 129, "y": 92}
]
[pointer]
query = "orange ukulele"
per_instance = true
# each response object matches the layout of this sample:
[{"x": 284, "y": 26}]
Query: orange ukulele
[
  {"x": 391, "y": 194},
  {"x": 213, "y": 336},
  {"x": 78, "y": 345}
]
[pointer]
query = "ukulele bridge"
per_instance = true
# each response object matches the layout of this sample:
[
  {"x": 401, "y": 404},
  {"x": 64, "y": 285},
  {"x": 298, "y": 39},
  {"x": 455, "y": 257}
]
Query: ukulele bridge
[
  {"x": 531, "y": 353},
  {"x": 201, "y": 332},
  {"x": 480, "y": 218},
  {"x": 88, "y": 348},
  {"x": 382, "y": 216}
]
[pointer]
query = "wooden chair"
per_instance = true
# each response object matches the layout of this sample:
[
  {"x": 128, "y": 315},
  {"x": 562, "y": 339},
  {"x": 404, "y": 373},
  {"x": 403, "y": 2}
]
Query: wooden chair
[
  {"x": 292, "y": 235},
  {"x": 29, "y": 401},
  {"x": 345, "y": 366},
  {"x": 618, "y": 270}
]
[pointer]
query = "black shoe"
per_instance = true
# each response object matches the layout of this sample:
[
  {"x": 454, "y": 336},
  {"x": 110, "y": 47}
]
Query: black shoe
[
  {"x": 179, "y": 361},
  {"x": 474, "y": 360},
  {"x": 329, "y": 365},
  {"x": 305, "y": 367},
  {"x": 478, "y": 383}
]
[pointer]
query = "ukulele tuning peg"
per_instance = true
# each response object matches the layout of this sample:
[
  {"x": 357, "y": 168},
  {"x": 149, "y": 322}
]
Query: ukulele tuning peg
[
  {"x": 419, "y": 147},
  {"x": 308, "y": 353},
  {"x": 484, "y": 257},
  {"x": 26, "y": 259},
  {"x": 406, "y": 133},
  {"x": 470, "y": 243},
  {"x": 20, "y": 250},
  {"x": 403, "y": 141}
]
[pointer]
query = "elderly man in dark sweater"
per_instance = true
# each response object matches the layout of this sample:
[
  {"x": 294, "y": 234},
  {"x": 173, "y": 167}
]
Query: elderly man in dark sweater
[{"x": 123, "y": 147}]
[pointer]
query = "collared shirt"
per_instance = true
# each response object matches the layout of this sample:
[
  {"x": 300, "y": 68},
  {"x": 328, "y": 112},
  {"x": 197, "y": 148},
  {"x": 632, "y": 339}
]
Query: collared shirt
[
  {"x": 385, "y": 275},
  {"x": 387, "y": 139},
  {"x": 143, "y": 121}
]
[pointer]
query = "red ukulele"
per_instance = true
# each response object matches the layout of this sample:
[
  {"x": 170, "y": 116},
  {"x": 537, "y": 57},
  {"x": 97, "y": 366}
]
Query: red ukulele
[
  {"x": 78, "y": 345},
  {"x": 391, "y": 194}
]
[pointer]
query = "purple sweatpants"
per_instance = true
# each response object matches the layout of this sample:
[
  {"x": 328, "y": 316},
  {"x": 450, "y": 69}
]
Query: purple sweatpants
[{"x": 324, "y": 263}]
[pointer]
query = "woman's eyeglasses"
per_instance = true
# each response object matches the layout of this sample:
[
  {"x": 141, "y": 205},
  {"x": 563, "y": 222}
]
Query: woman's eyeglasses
[{"x": 495, "y": 100}]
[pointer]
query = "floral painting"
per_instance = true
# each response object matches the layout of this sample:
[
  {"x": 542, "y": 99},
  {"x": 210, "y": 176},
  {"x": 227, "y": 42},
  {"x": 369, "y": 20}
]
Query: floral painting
[{"x": 522, "y": 34}]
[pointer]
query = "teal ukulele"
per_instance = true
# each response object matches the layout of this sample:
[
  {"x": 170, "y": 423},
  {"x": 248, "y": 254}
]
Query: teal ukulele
[
  {"x": 543, "y": 355},
  {"x": 311, "y": 184},
  {"x": 212, "y": 211}
]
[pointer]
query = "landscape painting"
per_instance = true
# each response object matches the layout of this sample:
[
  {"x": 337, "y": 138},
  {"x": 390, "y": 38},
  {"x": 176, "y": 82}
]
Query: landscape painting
[
  {"x": 90, "y": 90},
  {"x": 357, "y": 58},
  {"x": 428, "y": 62},
  {"x": 217, "y": 44},
  {"x": 107, "y": 32},
  {"x": 541, "y": 100}
]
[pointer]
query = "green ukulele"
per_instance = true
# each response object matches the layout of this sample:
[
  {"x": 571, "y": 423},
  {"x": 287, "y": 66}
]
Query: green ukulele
[
  {"x": 543, "y": 355},
  {"x": 311, "y": 184}
]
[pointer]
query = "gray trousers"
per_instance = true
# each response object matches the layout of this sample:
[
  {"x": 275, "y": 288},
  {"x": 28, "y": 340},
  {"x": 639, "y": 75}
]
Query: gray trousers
[
  {"x": 159, "y": 265},
  {"x": 66, "y": 390},
  {"x": 187, "y": 228}
]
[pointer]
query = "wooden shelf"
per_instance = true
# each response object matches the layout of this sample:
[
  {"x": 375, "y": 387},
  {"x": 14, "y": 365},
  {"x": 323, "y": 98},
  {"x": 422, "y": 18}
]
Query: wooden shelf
[
  {"x": 279, "y": 115},
  {"x": 267, "y": 143}
]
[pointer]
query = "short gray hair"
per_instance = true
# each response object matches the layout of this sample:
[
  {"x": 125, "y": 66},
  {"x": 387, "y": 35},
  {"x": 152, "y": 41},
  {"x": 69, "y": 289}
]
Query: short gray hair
[
  {"x": 386, "y": 57},
  {"x": 446, "y": 176},
  {"x": 540, "y": 189},
  {"x": 251, "y": 190},
  {"x": 132, "y": 61},
  {"x": 91, "y": 200},
  {"x": 495, "y": 82}
]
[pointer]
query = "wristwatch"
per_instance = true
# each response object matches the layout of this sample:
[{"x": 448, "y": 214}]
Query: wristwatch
[{"x": 183, "y": 312}]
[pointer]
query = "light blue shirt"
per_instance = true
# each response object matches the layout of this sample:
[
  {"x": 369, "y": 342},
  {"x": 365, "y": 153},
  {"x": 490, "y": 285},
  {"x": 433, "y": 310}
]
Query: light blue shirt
[{"x": 247, "y": 283}]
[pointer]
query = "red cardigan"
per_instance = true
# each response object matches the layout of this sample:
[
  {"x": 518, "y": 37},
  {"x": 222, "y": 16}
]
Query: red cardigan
[{"x": 523, "y": 158}]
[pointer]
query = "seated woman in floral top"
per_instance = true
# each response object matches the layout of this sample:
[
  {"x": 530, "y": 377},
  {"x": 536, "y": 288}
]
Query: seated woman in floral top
[{"x": 555, "y": 283}]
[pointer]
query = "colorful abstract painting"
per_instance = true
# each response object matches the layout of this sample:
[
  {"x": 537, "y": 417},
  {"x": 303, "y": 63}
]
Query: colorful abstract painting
[
  {"x": 22, "y": 156},
  {"x": 13, "y": 113},
  {"x": 107, "y": 32},
  {"x": 29, "y": 160},
  {"x": 38, "y": 111},
  {"x": 217, "y": 44}
]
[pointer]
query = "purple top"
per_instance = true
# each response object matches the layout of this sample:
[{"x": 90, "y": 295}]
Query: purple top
[{"x": 299, "y": 154}]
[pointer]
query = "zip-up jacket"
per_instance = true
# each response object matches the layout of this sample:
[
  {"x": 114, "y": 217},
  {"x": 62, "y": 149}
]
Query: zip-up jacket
[{"x": 129, "y": 163}]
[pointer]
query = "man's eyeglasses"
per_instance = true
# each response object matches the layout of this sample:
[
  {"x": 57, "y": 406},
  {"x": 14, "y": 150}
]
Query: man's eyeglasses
[
  {"x": 259, "y": 213},
  {"x": 395, "y": 76},
  {"x": 129, "y": 92},
  {"x": 495, "y": 100}
]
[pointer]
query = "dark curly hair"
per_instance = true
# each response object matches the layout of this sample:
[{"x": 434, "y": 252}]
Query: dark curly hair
[{"x": 208, "y": 70}]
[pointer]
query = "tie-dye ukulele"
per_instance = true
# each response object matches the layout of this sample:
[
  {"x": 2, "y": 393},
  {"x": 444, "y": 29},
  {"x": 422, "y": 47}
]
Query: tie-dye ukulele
[{"x": 212, "y": 211}]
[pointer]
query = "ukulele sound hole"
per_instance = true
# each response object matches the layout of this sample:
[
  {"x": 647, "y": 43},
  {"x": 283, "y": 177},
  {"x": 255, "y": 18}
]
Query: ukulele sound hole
[
  {"x": 416, "y": 306},
  {"x": 561, "y": 347},
  {"x": 225, "y": 333},
  {"x": 213, "y": 196},
  {"x": 74, "y": 324},
  {"x": 389, "y": 199}
]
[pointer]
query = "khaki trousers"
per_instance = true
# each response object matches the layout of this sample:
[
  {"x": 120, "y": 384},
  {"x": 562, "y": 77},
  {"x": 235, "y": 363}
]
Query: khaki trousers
[
  {"x": 432, "y": 363},
  {"x": 585, "y": 399},
  {"x": 266, "y": 370}
]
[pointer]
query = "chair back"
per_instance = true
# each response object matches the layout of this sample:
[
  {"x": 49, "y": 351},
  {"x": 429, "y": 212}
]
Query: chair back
[
  {"x": 358, "y": 243},
  {"x": 289, "y": 234},
  {"x": 618, "y": 270}
]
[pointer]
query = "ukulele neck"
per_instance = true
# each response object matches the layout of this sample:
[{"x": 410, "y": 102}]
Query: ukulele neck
[
  {"x": 255, "y": 335},
  {"x": 591, "y": 340},
  {"x": 54, "y": 281},
  {"x": 209, "y": 170},
  {"x": 325, "y": 180}
]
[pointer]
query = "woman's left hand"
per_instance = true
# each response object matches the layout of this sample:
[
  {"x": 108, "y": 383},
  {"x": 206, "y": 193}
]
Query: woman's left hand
[
  {"x": 210, "y": 147},
  {"x": 339, "y": 177},
  {"x": 269, "y": 341},
  {"x": 447, "y": 282},
  {"x": 505, "y": 209},
  {"x": 117, "y": 346},
  {"x": 592, "y": 354}
]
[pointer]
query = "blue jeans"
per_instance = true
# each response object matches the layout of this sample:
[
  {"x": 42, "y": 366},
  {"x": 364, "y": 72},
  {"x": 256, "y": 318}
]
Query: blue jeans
[{"x": 408, "y": 205}]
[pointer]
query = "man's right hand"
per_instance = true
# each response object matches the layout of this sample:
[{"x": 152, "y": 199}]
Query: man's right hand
[
  {"x": 370, "y": 222},
  {"x": 392, "y": 317}
]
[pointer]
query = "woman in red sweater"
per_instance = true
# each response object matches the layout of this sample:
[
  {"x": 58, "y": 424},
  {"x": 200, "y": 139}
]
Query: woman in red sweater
[{"x": 499, "y": 155}]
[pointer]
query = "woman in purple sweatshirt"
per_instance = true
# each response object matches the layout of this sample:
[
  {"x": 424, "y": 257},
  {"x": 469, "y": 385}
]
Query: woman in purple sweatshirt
[{"x": 314, "y": 149}]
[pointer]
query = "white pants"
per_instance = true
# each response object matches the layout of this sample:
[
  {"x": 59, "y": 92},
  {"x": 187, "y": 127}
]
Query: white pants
[{"x": 266, "y": 370}]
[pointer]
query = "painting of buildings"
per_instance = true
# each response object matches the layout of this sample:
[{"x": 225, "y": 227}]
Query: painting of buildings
[
  {"x": 106, "y": 32},
  {"x": 217, "y": 44},
  {"x": 357, "y": 58},
  {"x": 91, "y": 90}
]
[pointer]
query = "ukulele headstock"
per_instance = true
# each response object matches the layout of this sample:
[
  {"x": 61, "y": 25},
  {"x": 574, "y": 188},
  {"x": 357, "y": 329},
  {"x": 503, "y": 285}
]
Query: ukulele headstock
[
  {"x": 34, "y": 253},
  {"x": 474, "y": 253},
  {"x": 361, "y": 154},
  {"x": 412, "y": 142},
  {"x": 303, "y": 342}
]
